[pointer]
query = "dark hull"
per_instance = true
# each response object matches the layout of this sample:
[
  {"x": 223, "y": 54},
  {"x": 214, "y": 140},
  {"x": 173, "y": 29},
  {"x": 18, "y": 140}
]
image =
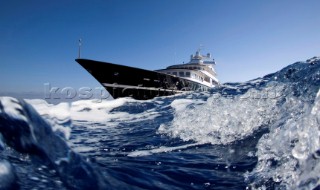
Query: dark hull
[{"x": 124, "y": 81}]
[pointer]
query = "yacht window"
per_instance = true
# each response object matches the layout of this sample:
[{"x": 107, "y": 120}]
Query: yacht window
[
  {"x": 181, "y": 74},
  {"x": 175, "y": 73},
  {"x": 187, "y": 74}
]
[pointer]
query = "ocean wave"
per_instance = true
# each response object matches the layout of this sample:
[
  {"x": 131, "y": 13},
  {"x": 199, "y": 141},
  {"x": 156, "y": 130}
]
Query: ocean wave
[
  {"x": 25, "y": 131},
  {"x": 271, "y": 121},
  {"x": 286, "y": 103}
]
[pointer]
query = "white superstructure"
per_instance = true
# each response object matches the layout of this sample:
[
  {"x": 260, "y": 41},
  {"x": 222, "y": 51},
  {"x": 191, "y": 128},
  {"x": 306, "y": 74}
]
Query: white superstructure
[{"x": 199, "y": 69}]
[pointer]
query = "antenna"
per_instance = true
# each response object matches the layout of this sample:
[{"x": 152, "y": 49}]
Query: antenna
[
  {"x": 80, "y": 43},
  {"x": 174, "y": 56},
  {"x": 200, "y": 47}
]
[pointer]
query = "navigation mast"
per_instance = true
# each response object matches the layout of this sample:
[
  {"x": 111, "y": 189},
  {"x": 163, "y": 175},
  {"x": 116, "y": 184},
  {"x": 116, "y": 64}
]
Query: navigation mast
[{"x": 80, "y": 43}]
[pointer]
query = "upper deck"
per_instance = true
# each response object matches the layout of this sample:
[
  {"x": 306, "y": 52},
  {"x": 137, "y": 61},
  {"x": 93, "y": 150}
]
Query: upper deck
[{"x": 200, "y": 68}]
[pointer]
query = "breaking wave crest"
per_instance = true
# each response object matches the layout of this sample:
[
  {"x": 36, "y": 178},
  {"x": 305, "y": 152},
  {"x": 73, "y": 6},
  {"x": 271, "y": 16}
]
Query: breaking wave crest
[
  {"x": 25, "y": 131},
  {"x": 285, "y": 103}
]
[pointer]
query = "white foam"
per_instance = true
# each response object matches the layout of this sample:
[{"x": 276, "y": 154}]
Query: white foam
[
  {"x": 60, "y": 111},
  {"x": 181, "y": 104},
  {"x": 161, "y": 149},
  {"x": 12, "y": 107},
  {"x": 84, "y": 149},
  {"x": 293, "y": 147},
  {"x": 220, "y": 120},
  {"x": 91, "y": 111},
  {"x": 4, "y": 168},
  {"x": 56, "y": 115}
]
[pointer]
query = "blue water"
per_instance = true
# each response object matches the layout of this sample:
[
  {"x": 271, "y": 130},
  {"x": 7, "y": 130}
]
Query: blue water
[{"x": 262, "y": 134}]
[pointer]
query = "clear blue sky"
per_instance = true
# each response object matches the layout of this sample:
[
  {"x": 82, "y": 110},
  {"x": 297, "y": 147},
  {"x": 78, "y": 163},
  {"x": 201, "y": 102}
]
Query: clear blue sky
[{"x": 248, "y": 38}]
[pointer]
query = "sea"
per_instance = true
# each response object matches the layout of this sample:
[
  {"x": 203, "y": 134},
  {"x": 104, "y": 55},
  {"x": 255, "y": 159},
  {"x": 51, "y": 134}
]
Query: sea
[{"x": 261, "y": 134}]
